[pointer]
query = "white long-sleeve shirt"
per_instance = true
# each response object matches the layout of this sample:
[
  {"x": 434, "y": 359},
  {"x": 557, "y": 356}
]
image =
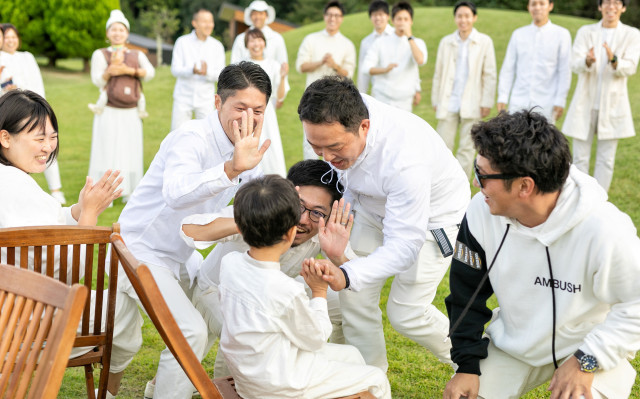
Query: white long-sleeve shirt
[
  {"x": 316, "y": 45},
  {"x": 364, "y": 79},
  {"x": 271, "y": 329},
  {"x": 276, "y": 48},
  {"x": 185, "y": 177},
  {"x": 410, "y": 182},
  {"x": 402, "y": 81},
  {"x": 22, "y": 67},
  {"x": 196, "y": 90},
  {"x": 536, "y": 68}
]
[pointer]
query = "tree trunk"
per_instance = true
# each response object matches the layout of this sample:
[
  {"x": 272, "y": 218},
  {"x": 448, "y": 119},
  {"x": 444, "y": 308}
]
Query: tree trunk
[
  {"x": 159, "y": 49},
  {"x": 85, "y": 65}
]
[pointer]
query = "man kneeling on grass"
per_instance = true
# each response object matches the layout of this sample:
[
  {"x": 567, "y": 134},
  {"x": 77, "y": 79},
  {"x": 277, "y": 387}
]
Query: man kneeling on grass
[{"x": 274, "y": 338}]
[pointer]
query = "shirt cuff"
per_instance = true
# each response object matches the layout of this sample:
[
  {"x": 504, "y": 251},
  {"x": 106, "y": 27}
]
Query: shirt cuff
[{"x": 318, "y": 303}]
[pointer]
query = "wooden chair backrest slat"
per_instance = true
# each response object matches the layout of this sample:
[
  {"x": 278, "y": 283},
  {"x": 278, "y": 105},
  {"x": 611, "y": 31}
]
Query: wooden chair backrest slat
[{"x": 38, "y": 320}]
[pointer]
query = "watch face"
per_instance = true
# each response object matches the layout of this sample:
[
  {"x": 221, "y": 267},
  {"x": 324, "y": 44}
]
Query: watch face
[{"x": 588, "y": 363}]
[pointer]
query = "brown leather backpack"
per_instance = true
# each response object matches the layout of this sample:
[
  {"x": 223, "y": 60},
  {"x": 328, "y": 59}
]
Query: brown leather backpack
[{"x": 123, "y": 91}]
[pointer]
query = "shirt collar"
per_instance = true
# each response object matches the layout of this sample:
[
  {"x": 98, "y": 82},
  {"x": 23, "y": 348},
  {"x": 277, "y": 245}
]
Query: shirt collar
[
  {"x": 543, "y": 27},
  {"x": 388, "y": 30},
  {"x": 324, "y": 31},
  {"x": 224, "y": 144},
  {"x": 260, "y": 264}
]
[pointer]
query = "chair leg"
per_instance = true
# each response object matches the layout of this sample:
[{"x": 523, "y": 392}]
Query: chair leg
[
  {"x": 88, "y": 375},
  {"x": 103, "y": 383}
]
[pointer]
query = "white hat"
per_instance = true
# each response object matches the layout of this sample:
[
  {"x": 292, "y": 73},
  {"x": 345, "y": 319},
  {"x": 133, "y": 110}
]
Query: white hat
[
  {"x": 259, "y": 5},
  {"x": 117, "y": 16}
]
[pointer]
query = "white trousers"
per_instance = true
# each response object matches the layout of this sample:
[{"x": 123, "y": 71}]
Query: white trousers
[
  {"x": 346, "y": 374},
  {"x": 404, "y": 103},
  {"x": 505, "y": 377},
  {"x": 52, "y": 174},
  {"x": 171, "y": 381},
  {"x": 409, "y": 307},
  {"x": 447, "y": 129},
  {"x": 207, "y": 302},
  {"x": 183, "y": 112},
  {"x": 605, "y": 154}
]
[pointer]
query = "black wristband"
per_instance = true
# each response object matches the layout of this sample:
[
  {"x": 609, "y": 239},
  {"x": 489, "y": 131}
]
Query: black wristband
[
  {"x": 346, "y": 278},
  {"x": 613, "y": 59}
]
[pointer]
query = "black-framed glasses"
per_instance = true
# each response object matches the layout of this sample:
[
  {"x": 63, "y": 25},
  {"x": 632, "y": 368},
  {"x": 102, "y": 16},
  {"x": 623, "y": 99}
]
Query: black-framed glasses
[
  {"x": 499, "y": 176},
  {"x": 314, "y": 215}
]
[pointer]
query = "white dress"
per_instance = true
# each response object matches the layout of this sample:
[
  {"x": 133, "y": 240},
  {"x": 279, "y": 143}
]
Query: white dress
[
  {"x": 273, "y": 160},
  {"x": 117, "y": 133}
]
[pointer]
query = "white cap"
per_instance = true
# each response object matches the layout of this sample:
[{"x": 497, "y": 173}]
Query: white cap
[
  {"x": 259, "y": 5},
  {"x": 117, "y": 16}
]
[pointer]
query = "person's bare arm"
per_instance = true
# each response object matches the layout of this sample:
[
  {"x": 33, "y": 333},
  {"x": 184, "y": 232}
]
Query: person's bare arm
[{"x": 214, "y": 231}]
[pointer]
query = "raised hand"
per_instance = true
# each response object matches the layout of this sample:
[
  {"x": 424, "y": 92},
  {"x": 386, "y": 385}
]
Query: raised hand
[
  {"x": 334, "y": 236},
  {"x": 95, "y": 198},
  {"x": 247, "y": 151},
  {"x": 591, "y": 57}
]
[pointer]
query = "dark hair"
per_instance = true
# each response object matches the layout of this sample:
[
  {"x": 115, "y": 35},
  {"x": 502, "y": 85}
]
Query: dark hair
[
  {"x": 333, "y": 99},
  {"x": 318, "y": 173},
  {"x": 399, "y": 6},
  {"x": 378, "y": 5},
  {"x": 468, "y": 4},
  {"x": 198, "y": 11},
  {"x": 24, "y": 110},
  {"x": 265, "y": 209},
  {"x": 524, "y": 143},
  {"x": 241, "y": 76},
  {"x": 624, "y": 2},
  {"x": 255, "y": 33},
  {"x": 334, "y": 4}
]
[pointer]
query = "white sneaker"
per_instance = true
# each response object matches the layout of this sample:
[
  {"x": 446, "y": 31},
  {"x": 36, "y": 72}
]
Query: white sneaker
[
  {"x": 95, "y": 109},
  {"x": 149, "y": 390},
  {"x": 59, "y": 196}
]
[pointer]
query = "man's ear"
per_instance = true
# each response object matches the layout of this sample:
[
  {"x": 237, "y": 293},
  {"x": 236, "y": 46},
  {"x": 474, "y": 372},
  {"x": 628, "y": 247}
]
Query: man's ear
[
  {"x": 527, "y": 186},
  {"x": 218, "y": 102},
  {"x": 364, "y": 127}
]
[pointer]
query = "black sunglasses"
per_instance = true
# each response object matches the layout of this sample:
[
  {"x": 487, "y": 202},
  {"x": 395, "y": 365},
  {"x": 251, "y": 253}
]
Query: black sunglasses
[{"x": 499, "y": 176}]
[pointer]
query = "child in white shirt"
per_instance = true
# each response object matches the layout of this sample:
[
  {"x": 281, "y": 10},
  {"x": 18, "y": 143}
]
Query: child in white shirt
[{"x": 274, "y": 339}]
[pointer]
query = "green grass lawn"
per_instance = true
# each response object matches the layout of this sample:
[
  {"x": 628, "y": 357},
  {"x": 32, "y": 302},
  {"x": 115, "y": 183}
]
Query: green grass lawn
[{"x": 413, "y": 372}]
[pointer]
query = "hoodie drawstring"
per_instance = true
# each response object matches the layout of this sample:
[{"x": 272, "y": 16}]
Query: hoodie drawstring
[
  {"x": 553, "y": 297},
  {"x": 482, "y": 281}
]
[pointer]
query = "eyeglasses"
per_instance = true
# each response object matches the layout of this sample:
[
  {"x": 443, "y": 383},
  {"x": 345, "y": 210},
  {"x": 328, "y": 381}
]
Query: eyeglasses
[
  {"x": 615, "y": 3},
  {"x": 314, "y": 215},
  {"x": 332, "y": 15},
  {"x": 499, "y": 176}
]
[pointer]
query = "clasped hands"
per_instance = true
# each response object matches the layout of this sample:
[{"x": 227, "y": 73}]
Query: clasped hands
[{"x": 334, "y": 237}]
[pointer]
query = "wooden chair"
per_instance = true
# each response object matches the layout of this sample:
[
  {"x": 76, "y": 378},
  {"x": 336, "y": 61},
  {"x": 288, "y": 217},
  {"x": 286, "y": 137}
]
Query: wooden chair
[
  {"x": 38, "y": 321},
  {"x": 145, "y": 286},
  {"x": 27, "y": 247}
]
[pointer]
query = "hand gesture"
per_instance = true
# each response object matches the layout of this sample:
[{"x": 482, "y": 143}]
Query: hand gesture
[
  {"x": 328, "y": 59},
  {"x": 118, "y": 69},
  {"x": 591, "y": 57},
  {"x": 311, "y": 271},
  {"x": 569, "y": 381},
  {"x": 557, "y": 112},
  {"x": 462, "y": 385},
  {"x": 391, "y": 66},
  {"x": 484, "y": 112},
  {"x": 284, "y": 70},
  {"x": 334, "y": 236},
  {"x": 95, "y": 198},
  {"x": 247, "y": 151}
]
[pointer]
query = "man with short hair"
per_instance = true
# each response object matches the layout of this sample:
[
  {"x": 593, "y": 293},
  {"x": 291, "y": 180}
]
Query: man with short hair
[
  {"x": 408, "y": 194},
  {"x": 562, "y": 262},
  {"x": 197, "y": 169},
  {"x": 393, "y": 62},
  {"x": 327, "y": 52},
  {"x": 536, "y": 68},
  {"x": 604, "y": 56},
  {"x": 379, "y": 16},
  {"x": 319, "y": 231},
  {"x": 464, "y": 82},
  {"x": 197, "y": 61},
  {"x": 259, "y": 15}
]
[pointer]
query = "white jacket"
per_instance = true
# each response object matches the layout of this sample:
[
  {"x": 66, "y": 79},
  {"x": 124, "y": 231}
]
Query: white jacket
[
  {"x": 614, "y": 118},
  {"x": 594, "y": 255},
  {"x": 480, "y": 88}
]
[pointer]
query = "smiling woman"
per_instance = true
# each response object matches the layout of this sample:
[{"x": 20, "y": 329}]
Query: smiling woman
[{"x": 28, "y": 143}]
